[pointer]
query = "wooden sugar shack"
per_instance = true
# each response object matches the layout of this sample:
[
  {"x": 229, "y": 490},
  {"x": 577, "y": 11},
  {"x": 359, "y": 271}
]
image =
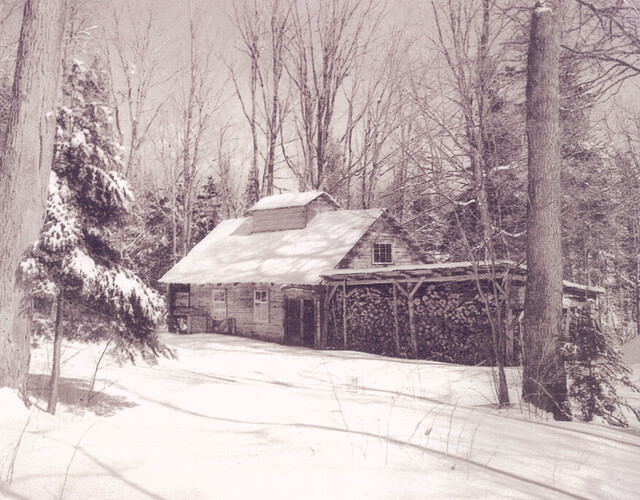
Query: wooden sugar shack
[{"x": 299, "y": 270}]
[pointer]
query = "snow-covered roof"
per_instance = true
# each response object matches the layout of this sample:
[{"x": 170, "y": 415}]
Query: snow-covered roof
[
  {"x": 231, "y": 253},
  {"x": 287, "y": 200}
]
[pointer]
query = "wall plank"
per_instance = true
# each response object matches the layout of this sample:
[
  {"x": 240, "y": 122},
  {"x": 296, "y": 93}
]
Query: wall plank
[
  {"x": 361, "y": 256},
  {"x": 279, "y": 219}
]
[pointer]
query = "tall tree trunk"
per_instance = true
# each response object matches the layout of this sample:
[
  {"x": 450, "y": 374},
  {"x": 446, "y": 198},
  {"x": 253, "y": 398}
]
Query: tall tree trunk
[
  {"x": 25, "y": 167},
  {"x": 55, "y": 362},
  {"x": 544, "y": 378}
]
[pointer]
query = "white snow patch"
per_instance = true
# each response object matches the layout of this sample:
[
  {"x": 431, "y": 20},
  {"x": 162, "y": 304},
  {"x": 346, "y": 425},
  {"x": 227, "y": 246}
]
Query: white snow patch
[
  {"x": 79, "y": 139},
  {"x": 286, "y": 200},
  {"x": 237, "y": 418},
  {"x": 82, "y": 264},
  {"x": 12, "y": 406}
]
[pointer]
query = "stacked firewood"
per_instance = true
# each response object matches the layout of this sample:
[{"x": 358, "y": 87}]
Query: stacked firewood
[{"x": 450, "y": 323}]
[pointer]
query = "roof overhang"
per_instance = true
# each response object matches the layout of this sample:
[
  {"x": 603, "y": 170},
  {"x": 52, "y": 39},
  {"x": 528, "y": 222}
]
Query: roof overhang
[{"x": 447, "y": 272}]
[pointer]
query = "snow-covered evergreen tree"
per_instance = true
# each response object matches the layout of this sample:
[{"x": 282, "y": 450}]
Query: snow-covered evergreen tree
[
  {"x": 252, "y": 189},
  {"x": 596, "y": 370},
  {"x": 206, "y": 210},
  {"x": 80, "y": 288}
]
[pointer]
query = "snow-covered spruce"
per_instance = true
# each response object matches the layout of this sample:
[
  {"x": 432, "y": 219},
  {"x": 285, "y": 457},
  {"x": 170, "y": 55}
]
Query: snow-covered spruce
[
  {"x": 596, "y": 371},
  {"x": 79, "y": 286}
]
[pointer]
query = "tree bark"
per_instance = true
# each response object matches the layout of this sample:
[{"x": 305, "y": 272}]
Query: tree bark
[
  {"x": 544, "y": 378},
  {"x": 25, "y": 167},
  {"x": 55, "y": 362}
]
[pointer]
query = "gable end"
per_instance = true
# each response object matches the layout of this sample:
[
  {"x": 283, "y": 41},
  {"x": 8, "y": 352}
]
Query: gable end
[{"x": 384, "y": 231}]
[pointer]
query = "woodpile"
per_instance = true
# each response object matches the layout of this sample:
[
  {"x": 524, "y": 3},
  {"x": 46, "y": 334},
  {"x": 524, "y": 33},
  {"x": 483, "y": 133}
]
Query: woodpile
[{"x": 450, "y": 323}]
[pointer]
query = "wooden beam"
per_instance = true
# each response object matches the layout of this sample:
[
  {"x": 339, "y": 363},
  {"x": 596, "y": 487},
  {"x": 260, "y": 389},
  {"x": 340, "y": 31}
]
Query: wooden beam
[
  {"x": 285, "y": 336},
  {"x": 351, "y": 292},
  {"x": 317, "y": 334},
  {"x": 412, "y": 320},
  {"x": 401, "y": 288},
  {"x": 412, "y": 330},
  {"x": 344, "y": 314},
  {"x": 396, "y": 323},
  {"x": 415, "y": 288},
  {"x": 325, "y": 315},
  {"x": 331, "y": 293},
  {"x": 431, "y": 279}
]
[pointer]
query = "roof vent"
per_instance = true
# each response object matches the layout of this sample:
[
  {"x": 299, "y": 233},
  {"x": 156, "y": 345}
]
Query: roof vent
[{"x": 289, "y": 210}]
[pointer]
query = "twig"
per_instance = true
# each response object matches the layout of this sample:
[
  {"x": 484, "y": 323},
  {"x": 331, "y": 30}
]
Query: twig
[
  {"x": 75, "y": 450},
  {"x": 14, "y": 454},
  {"x": 95, "y": 372}
]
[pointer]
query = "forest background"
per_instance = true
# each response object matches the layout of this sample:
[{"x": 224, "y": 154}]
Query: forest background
[{"x": 417, "y": 107}]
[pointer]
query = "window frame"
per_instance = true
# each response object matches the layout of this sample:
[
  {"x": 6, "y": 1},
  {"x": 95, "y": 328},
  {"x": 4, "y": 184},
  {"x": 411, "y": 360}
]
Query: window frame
[
  {"x": 261, "y": 317},
  {"x": 374, "y": 253},
  {"x": 219, "y": 307}
]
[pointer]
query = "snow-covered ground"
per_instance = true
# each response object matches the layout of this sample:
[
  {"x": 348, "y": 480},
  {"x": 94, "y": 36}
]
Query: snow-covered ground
[{"x": 234, "y": 418}]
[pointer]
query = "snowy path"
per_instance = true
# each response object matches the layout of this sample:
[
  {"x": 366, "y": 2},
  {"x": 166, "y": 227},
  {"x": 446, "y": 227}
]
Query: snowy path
[{"x": 235, "y": 418}]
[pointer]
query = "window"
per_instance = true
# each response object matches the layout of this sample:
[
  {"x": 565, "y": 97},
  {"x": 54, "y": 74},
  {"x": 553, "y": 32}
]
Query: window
[
  {"x": 261, "y": 306},
  {"x": 382, "y": 253},
  {"x": 219, "y": 304}
]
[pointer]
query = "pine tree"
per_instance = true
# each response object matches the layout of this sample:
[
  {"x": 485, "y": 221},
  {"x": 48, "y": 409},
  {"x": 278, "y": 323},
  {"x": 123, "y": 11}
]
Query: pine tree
[
  {"x": 148, "y": 240},
  {"x": 74, "y": 271},
  {"x": 252, "y": 191},
  {"x": 205, "y": 210},
  {"x": 596, "y": 370}
]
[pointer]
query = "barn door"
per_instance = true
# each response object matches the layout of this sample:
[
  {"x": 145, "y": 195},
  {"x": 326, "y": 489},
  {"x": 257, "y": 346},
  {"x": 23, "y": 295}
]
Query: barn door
[
  {"x": 292, "y": 333},
  {"x": 308, "y": 323}
]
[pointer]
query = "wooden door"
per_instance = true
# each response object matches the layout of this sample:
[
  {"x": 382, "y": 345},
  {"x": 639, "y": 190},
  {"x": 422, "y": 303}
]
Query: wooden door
[
  {"x": 308, "y": 323},
  {"x": 292, "y": 317}
]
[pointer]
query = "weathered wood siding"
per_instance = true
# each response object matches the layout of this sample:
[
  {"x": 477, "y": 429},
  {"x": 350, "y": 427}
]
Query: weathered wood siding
[
  {"x": 178, "y": 298},
  {"x": 279, "y": 219},
  {"x": 361, "y": 255},
  {"x": 239, "y": 308}
]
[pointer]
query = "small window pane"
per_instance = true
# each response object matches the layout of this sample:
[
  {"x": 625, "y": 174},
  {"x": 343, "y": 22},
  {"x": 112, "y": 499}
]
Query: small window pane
[{"x": 382, "y": 253}]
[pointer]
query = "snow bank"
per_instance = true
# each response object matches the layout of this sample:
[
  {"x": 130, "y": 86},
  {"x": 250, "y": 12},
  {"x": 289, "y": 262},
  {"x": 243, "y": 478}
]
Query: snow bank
[
  {"x": 241, "y": 419},
  {"x": 12, "y": 406}
]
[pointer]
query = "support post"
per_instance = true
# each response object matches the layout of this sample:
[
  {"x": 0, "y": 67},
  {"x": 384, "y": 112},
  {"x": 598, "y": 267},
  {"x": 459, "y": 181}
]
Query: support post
[
  {"x": 324, "y": 319},
  {"x": 412, "y": 321},
  {"x": 317, "y": 310},
  {"x": 301, "y": 323},
  {"x": 329, "y": 293},
  {"x": 396, "y": 323},
  {"x": 344, "y": 315}
]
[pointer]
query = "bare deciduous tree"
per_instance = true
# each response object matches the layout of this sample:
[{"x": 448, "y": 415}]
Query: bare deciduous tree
[
  {"x": 133, "y": 49},
  {"x": 264, "y": 32},
  {"x": 328, "y": 42}
]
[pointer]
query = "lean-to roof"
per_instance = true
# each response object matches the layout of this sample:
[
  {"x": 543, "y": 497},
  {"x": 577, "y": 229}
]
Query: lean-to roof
[{"x": 444, "y": 272}]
